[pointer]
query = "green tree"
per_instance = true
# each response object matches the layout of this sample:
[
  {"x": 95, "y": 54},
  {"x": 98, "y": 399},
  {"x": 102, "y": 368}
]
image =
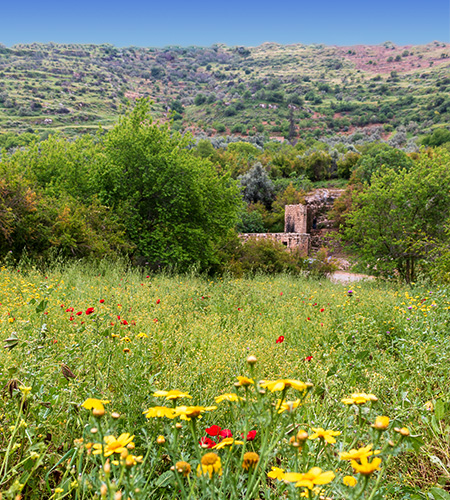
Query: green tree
[
  {"x": 397, "y": 222},
  {"x": 175, "y": 206}
]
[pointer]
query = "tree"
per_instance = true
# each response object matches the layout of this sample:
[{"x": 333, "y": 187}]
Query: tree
[
  {"x": 175, "y": 206},
  {"x": 256, "y": 186},
  {"x": 396, "y": 223}
]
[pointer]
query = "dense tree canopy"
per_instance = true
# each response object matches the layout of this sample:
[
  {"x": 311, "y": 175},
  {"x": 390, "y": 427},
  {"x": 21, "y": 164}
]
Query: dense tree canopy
[
  {"x": 175, "y": 206},
  {"x": 397, "y": 222}
]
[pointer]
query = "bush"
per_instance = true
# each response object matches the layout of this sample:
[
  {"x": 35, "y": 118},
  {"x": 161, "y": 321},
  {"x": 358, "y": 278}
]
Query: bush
[{"x": 265, "y": 256}]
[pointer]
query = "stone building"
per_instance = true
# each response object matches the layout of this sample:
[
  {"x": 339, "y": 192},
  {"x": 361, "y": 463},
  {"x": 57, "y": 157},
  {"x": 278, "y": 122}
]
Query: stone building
[{"x": 304, "y": 223}]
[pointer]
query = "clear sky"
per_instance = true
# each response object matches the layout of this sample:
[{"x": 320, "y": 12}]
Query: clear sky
[{"x": 233, "y": 22}]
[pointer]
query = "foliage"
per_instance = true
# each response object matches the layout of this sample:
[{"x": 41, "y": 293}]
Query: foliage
[
  {"x": 174, "y": 205},
  {"x": 397, "y": 220},
  {"x": 264, "y": 255},
  {"x": 194, "y": 334},
  {"x": 257, "y": 186}
]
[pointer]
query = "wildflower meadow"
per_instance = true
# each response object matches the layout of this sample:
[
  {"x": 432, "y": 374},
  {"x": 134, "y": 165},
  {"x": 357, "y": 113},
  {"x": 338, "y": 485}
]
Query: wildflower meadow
[{"x": 118, "y": 384}]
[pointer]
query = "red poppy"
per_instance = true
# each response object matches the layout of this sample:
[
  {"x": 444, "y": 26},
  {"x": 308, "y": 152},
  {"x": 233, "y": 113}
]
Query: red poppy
[
  {"x": 101, "y": 301},
  {"x": 118, "y": 317},
  {"x": 308, "y": 358},
  {"x": 226, "y": 433},
  {"x": 62, "y": 305},
  {"x": 214, "y": 430},
  {"x": 79, "y": 313},
  {"x": 281, "y": 293},
  {"x": 308, "y": 319},
  {"x": 90, "y": 310},
  {"x": 69, "y": 310},
  {"x": 251, "y": 435},
  {"x": 206, "y": 442},
  {"x": 279, "y": 339},
  {"x": 124, "y": 322},
  {"x": 71, "y": 318},
  {"x": 158, "y": 301},
  {"x": 322, "y": 310},
  {"x": 239, "y": 309}
]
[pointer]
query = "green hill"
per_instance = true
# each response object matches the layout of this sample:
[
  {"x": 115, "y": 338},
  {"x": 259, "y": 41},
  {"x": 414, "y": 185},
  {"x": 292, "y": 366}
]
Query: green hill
[{"x": 282, "y": 91}]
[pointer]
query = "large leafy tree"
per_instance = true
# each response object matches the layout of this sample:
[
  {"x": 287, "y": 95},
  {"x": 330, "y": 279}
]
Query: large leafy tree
[
  {"x": 397, "y": 222},
  {"x": 175, "y": 206}
]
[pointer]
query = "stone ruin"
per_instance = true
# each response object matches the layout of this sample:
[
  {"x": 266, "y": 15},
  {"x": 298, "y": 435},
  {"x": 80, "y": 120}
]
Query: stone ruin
[{"x": 303, "y": 223}]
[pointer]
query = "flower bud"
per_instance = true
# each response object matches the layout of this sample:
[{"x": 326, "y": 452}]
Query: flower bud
[
  {"x": 160, "y": 439},
  {"x": 251, "y": 360}
]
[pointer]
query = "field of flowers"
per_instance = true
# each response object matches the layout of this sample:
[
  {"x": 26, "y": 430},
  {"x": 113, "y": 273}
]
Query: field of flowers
[{"x": 116, "y": 384}]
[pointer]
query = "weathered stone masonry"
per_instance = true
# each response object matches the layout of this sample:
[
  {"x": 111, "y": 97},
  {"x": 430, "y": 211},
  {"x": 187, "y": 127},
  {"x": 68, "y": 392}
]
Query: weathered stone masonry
[{"x": 295, "y": 236}]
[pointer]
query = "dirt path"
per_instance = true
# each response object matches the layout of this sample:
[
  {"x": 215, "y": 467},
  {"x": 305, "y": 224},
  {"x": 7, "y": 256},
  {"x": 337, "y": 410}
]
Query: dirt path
[{"x": 346, "y": 277}]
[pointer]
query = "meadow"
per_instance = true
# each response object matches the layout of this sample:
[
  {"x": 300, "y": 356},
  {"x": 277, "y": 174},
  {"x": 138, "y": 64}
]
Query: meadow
[{"x": 86, "y": 348}]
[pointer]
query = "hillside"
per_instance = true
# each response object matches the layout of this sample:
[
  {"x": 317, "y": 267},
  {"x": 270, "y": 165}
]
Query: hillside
[{"x": 279, "y": 91}]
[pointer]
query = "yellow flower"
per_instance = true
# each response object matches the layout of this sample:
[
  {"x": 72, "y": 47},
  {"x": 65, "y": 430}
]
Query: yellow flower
[
  {"x": 228, "y": 397},
  {"x": 160, "y": 439},
  {"x": 282, "y": 384},
  {"x": 359, "y": 399},
  {"x": 183, "y": 468},
  {"x": 113, "y": 445},
  {"x": 131, "y": 460},
  {"x": 365, "y": 452},
  {"x": 381, "y": 423},
  {"x": 159, "y": 411},
  {"x": 188, "y": 412},
  {"x": 309, "y": 479},
  {"x": 298, "y": 440},
  {"x": 276, "y": 473},
  {"x": 349, "y": 481},
  {"x": 142, "y": 335},
  {"x": 210, "y": 464},
  {"x": 288, "y": 406},
  {"x": 323, "y": 434},
  {"x": 226, "y": 442},
  {"x": 404, "y": 431},
  {"x": 24, "y": 390},
  {"x": 250, "y": 460},
  {"x": 244, "y": 381},
  {"x": 95, "y": 404},
  {"x": 173, "y": 394},
  {"x": 366, "y": 468}
]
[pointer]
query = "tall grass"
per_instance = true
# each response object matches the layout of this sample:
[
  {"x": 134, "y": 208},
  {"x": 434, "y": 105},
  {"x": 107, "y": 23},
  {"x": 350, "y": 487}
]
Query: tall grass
[{"x": 161, "y": 332}]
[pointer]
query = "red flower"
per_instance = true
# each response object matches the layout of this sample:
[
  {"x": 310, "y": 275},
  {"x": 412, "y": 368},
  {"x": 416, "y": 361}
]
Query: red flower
[
  {"x": 279, "y": 339},
  {"x": 239, "y": 309},
  {"x": 62, "y": 305},
  {"x": 79, "y": 313},
  {"x": 308, "y": 319},
  {"x": 308, "y": 358},
  {"x": 226, "y": 433},
  {"x": 90, "y": 310},
  {"x": 281, "y": 293},
  {"x": 124, "y": 322},
  {"x": 206, "y": 442},
  {"x": 69, "y": 310},
  {"x": 322, "y": 310},
  {"x": 118, "y": 317},
  {"x": 158, "y": 301},
  {"x": 214, "y": 430},
  {"x": 251, "y": 435},
  {"x": 101, "y": 301},
  {"x": 71, "y": 318}
]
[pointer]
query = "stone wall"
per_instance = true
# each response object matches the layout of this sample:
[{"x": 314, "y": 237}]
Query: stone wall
[
  {"x": 292, "y": 241},
  {"x": 295, "y": 219}
]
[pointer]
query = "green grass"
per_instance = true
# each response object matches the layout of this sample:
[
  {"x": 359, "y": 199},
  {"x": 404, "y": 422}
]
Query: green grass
[{"x": 388, "y": 340}]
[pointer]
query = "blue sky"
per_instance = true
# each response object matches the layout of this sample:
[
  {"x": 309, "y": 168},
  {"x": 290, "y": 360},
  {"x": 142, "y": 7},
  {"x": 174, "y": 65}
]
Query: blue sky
[{"x": 197, "y": 22}]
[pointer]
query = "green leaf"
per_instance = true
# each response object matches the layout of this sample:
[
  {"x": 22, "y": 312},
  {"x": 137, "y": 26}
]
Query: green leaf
[
  {"x": 362, "y": 355},
  {"x": 11, "y": 341},
  {"x": 332, "y": 371},
  {"x": 164, "y": 479},
  {"x": 439, "y": 409},
  {"x": 438, "y": 494},
  {"x": 40, "y": 308}
]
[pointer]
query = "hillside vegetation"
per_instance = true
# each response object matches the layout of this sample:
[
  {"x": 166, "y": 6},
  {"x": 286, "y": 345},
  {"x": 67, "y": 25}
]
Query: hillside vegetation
[{"x": 283, "y": 91}]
